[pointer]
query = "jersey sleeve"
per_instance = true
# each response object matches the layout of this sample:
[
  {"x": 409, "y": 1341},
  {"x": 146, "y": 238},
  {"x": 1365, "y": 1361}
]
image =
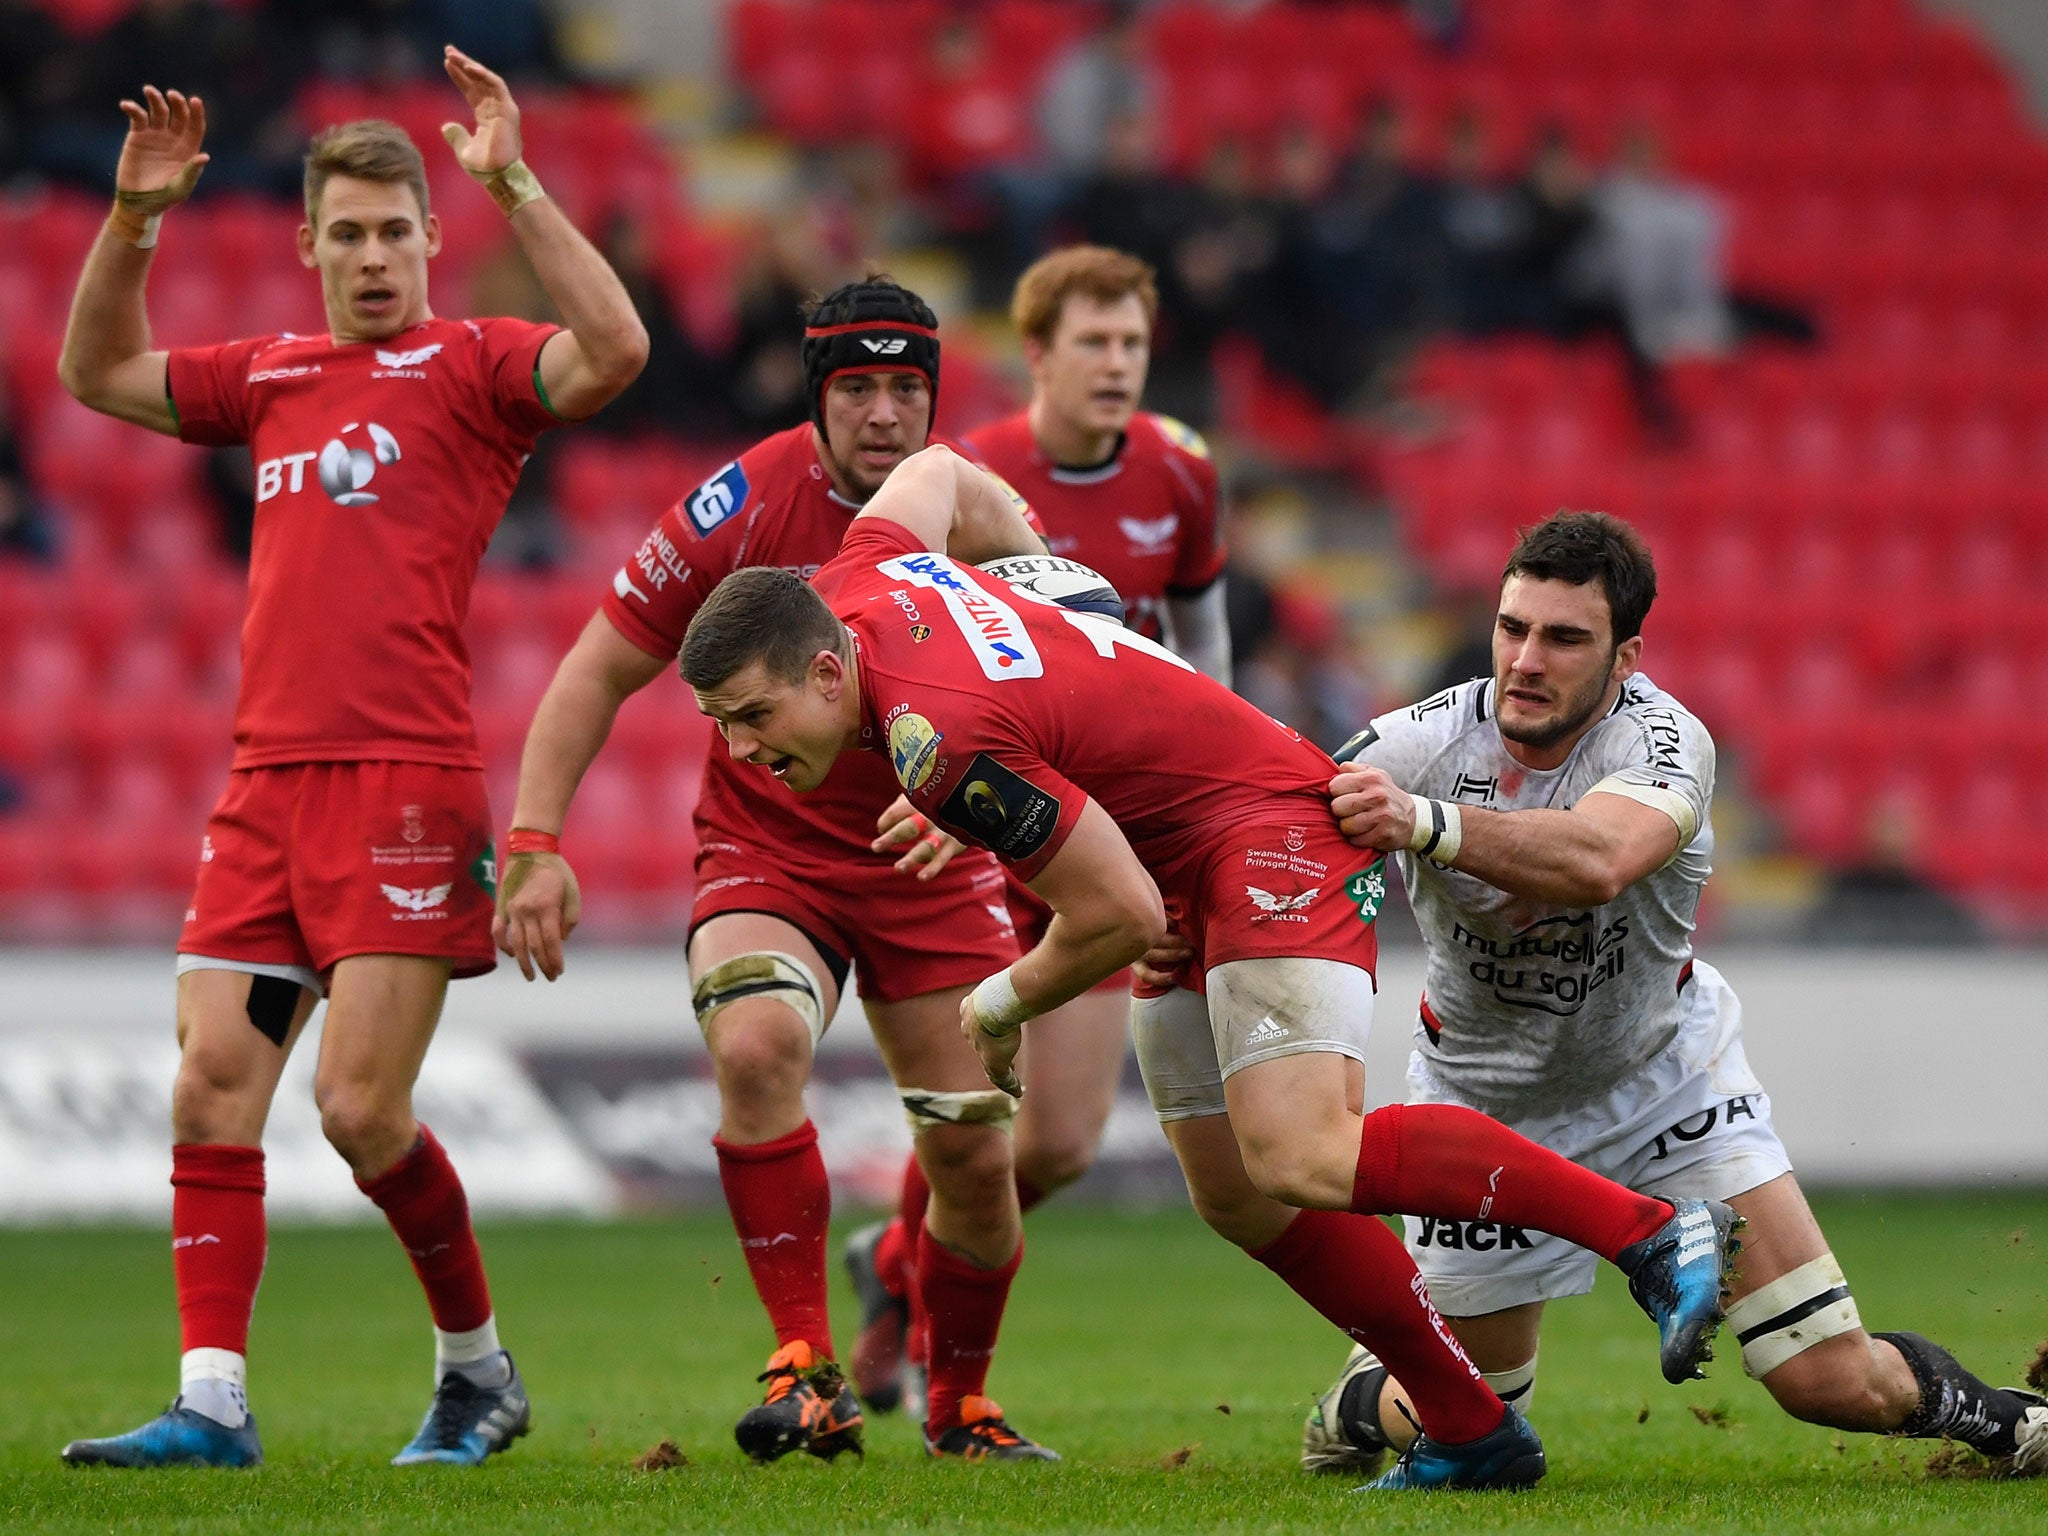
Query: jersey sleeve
[
  {"x": 1660, "y": 757},
  {"x": 994, "y": 790},
  {"x": 509, "y": 372},
  {"x": 696, "y": 544},
  {"x": 210, "y": 390},
  {"x": 1199, "y": 558}
]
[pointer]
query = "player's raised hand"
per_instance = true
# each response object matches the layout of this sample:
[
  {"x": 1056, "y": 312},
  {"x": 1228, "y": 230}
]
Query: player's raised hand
[
  {"x": 998, "y": 1053},
  {"x": 495, "y": 142},
  {"x": 927, "y": 849},
  {"x": 1372, "y": 811},
  {"x": 539, "y": 906},
  {"x": 161, "y": 158}
]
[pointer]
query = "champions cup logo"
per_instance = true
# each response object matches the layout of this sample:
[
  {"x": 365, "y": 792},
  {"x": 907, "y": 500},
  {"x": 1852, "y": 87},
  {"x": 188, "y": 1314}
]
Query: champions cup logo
[
  {"x": 345, "y": 467},
  {"x": 985, "y": 805}
]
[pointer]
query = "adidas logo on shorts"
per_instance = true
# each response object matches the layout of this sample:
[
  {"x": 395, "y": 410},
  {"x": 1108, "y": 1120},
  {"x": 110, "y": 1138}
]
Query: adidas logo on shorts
[{"x": 1267, "y": 1032}]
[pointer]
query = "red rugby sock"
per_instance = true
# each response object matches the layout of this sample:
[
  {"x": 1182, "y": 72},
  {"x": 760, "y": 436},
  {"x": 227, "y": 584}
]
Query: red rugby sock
[
  {"x": 1443, "y": 1160},
  {"x": 1355, "y": 1272},
  {"x": 781, "y": 1202},
  {"x": 422, "y": 1198},
  {"x": 217, "y": 1242},
  {"x": 963, "y": 1306},
  {"x": 896, "y": 1253}
]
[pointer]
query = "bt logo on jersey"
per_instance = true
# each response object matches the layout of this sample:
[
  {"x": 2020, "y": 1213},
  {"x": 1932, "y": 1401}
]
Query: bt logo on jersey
[{"x": 345, "y": 464}]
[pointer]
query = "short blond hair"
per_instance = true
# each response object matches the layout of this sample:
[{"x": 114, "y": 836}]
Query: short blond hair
[
  {"x": 1094, "y": 271},
  {"x": 369, "y": 149}
]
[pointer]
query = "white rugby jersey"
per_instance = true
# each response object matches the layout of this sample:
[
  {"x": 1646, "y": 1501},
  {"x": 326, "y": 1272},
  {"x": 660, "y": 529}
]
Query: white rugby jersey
[{"x": 1529, "y": 1007}]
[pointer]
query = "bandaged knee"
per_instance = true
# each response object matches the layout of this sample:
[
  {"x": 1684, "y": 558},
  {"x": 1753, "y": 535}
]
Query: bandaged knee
[
  {"x": 766, "y": 973},
  {"x": 925, "y": 1108},
  {"x": 1517, "y": 1387},
  {"x": 1805, "y": 1307}
]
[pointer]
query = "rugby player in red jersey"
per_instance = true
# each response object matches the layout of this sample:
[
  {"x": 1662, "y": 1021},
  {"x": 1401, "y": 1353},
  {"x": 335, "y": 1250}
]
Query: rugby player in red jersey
[
  {"x": 1133, "y": 496},
  {"x": 351, "y": 853},
  {"x": 1128, "y": 790},
  {"x": 790, "y": 894}
]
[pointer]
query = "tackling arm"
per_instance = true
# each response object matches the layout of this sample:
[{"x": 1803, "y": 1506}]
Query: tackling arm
[{"x": 1583, "y": 857}]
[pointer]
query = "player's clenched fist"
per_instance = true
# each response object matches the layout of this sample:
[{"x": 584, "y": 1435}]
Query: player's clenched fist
[
  {"x": 539, "y": 906},
  {"x": 1372, "y": 810}
]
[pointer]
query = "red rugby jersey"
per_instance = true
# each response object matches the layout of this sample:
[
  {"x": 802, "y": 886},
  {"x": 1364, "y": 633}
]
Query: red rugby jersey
[
  {"x": 1147, "y": 519},
  {"x": 775, "y": 506},
  {"x": 1001, "y": 716},
  {"x": 381, "y": 470}
]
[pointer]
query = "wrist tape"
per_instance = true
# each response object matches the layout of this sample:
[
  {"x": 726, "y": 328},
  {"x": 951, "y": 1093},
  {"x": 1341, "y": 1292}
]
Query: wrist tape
[{"x": 1439, "y": 830}]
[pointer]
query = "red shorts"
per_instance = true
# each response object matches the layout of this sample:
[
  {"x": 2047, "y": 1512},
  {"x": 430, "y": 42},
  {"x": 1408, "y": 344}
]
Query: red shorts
[
  {"x": 905, "y": 936},
  {"x": 1031, "y": 916},
  {"x": 1284, "y": 889},
  {"x": 309, "y": 863}
]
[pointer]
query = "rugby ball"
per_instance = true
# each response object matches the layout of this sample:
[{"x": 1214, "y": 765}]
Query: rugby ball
[{"x": 1063, "y": 583}]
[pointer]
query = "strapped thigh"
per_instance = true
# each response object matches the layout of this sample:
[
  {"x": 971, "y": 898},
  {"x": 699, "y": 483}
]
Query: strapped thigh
[{"x": 764, "y": 973}]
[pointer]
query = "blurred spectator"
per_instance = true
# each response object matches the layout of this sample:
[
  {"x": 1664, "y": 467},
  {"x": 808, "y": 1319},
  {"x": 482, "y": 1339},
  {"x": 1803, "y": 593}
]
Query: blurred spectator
[
  {"x": 245, "y": 62},
  {"x": 27, "y": 531},
  {"x": 1882, "y": 899},
  {"x": 34, "y": 66},
  {"x": 1469, "y": 614},
  {"x": 1656, "y": 254},
  {"x": 679, "y": 389},
  {"x": 530, "y": 536},
  {"x": 1102, "y": 77},
  {"x": 782, "y": 272},
  {"x": 388, "y": 41},
  {"x": 1481, "y": 222}
]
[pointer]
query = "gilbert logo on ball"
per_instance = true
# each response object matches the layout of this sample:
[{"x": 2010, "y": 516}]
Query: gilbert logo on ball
[{"x": 349, "y": 462}]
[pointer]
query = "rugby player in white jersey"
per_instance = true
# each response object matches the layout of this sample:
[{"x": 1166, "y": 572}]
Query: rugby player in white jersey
[{"x": 1551, "y": 823}]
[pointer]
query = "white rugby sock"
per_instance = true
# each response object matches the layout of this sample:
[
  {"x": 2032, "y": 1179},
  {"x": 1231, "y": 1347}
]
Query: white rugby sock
[
  {"x": 475, "y": 1354},
  {"x": 214, "y": 1382}
]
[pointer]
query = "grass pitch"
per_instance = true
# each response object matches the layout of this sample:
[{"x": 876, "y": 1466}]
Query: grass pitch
[{"x": 1171, "y": 1372}]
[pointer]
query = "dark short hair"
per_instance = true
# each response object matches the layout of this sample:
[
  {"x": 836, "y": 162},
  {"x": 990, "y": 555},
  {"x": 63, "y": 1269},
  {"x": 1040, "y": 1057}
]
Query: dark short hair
[
  {"x": 764, "y": 614},
  {"x": 1578, "y": 547}
]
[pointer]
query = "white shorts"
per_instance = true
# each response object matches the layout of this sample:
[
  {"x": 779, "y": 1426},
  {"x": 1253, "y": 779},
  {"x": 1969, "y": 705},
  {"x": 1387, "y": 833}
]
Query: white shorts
[
  {"x": 1256, "y": 1010},
  {"x": 1693, "y": 1120}
]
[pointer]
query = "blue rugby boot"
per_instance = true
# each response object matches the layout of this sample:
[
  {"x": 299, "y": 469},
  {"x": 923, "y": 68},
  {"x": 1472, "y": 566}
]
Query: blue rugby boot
[
  {"x": 1509, "y": 1457},
  {"x": 1679, "y": 1275},
  {"x": 467, "y": 1422},
  {"x": 178, "y": 1437}
]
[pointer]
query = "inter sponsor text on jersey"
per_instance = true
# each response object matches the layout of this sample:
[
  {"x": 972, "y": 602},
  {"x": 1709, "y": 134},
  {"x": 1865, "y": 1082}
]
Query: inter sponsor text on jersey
[
  {"x": 1535, "y": 1006},
  {"x": 1147, "y": 519},
  {"x": 772, "y": 506},
  {"x": 1009, "y": 714},
  {"x": 381, "y": 470}
]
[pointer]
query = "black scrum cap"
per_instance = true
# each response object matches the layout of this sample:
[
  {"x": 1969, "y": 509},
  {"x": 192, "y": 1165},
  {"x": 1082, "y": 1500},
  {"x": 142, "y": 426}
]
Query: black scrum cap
[{"x": 868, "y": 327}]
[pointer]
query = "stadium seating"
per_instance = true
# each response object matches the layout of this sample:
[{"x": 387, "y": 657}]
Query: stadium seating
[{"x": 1852, "y": 537}]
